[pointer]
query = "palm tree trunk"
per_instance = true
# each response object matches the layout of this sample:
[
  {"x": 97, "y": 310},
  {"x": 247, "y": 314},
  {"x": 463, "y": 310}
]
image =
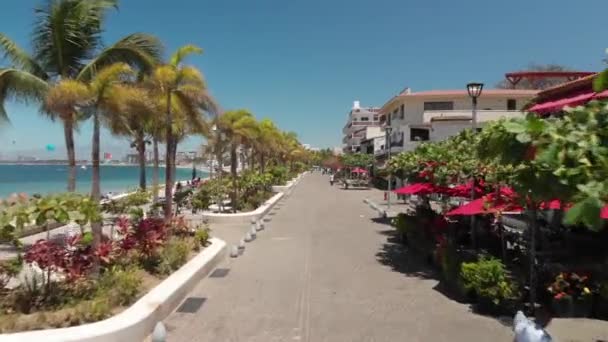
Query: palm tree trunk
[
  {"x": 68, "y": 131},
  {"x": 262, "y": 162},
  {"x": 233, "y": 161},
  {"x": 141, "y": 151},
  {"x": 155, "y": 172},
  {"x": 95, "y": 186},
  {"x": 169, "y": 162},
  {"x": 96, "y": 227}
]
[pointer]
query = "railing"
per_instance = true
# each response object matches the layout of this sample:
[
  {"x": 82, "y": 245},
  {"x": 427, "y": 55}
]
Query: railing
[{"x": 482, "y": 115}]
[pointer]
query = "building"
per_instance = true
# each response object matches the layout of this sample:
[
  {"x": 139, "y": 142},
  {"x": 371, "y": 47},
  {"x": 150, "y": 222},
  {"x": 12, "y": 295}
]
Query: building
[
  {"x": 362, "y": 123},
  {"x": 569, "y": 94},
  {"x": 438, "y": 114},
  {"x": 132, "y": 158}
]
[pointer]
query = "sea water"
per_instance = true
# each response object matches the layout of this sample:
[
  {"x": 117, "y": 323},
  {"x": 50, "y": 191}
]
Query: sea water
[{"x": 45, "y": 179}]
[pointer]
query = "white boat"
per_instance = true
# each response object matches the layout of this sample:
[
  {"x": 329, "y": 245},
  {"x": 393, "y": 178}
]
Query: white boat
[{"x": 84, "y": 167}]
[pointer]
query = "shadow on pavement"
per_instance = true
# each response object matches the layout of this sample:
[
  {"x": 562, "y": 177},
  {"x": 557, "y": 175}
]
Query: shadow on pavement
[
  {"x": 383, "y": 220},
  {"x": 403, "y": 260}
]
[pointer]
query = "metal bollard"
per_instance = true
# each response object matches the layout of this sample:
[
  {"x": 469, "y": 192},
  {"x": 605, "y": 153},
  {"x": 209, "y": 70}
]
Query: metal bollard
[{"x": 160, "y": 333}]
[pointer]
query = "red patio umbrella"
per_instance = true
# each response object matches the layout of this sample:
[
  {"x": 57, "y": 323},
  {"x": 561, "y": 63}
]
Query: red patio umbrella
[
  {"x": 464, "y": 190},
  {"x": 359, "y": 170},
  {"x": 418, "y": 189}
]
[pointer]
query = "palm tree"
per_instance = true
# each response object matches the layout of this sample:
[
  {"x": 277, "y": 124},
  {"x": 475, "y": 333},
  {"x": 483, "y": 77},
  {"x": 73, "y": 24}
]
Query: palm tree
[
  {"x": 267, "y": 143},
  {"x": 101, "y": 98},
  {"x": 237, "y": 126},
  {"x": 66, "y": 45},
  {"x": 182, "y": 93}
]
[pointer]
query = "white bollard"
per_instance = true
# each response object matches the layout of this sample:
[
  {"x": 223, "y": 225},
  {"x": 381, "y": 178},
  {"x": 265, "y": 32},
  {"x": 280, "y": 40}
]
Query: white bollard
[
  {"x": 248, "y": 237},
  {"x": 242, "y": 244},
  {"x": 253, "y": 233},
  {"x": 234, "y": 251},
  {"x": 260, "y": 225},
  {"x": 160, "y": 333},
  {"x": 253, "y": 225}
]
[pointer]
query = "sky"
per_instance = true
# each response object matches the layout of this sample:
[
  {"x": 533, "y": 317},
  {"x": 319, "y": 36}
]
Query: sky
[{"x": 303, "y": 63}]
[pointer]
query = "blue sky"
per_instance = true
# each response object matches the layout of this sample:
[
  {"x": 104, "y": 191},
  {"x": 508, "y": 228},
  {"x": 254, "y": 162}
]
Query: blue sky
[{"x": 302, "y": 63}]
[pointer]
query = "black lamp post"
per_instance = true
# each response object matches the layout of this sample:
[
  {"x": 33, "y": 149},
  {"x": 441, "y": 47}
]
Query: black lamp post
[
  {"x": 387, "y": 132},
  {"x": 474, "y": 89}
]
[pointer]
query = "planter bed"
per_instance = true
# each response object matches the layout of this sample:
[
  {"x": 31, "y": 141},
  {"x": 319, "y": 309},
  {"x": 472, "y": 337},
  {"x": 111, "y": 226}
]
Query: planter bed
[
  {"x": 137, "y": 321},
  {"x": 243, "y": 217}
]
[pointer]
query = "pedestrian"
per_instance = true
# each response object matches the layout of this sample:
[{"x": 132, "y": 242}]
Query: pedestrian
[{"x": 331, "y": 180}]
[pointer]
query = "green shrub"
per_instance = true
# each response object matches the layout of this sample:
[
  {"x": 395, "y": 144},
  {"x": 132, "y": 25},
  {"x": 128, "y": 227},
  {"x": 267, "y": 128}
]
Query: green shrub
[
  {"x": 137, "y": 198},
  {"x": 489, "y": 279},
  {"x": 121, "y": 286},
  {"x": 202, "y": 236},
  {"x": 173, "y": 255},
  {"x": 93, "y": 310},
  {"x": 279, "y": 175},
  {"x": 201, "y": 198}
]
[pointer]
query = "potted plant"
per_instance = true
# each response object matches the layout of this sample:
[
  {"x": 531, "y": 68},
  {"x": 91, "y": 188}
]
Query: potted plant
[
  {"x": 571, "y": 295},
  {"x": 495, "y": 291}
]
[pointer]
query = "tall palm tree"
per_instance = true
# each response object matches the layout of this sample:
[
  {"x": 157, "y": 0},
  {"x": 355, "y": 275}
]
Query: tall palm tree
[
  {"x": 67, "y": 45},
  {"x": 182, "y": 93},
  {"x": 237, "y": 126},
  {"x": 267, "y": 143},
  {"x": 101, "y": 98}
]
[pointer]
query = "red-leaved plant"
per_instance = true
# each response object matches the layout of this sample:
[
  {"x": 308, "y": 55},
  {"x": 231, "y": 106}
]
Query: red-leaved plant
[{"x": 146, "y": 236}]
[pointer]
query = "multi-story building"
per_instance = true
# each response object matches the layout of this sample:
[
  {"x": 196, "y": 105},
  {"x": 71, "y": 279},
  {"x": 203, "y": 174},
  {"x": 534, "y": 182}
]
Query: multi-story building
[
  {"x": 362, "y": 123},
  {"x": 438, "y": 114}
]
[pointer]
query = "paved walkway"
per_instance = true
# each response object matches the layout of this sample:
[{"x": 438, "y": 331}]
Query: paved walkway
[{"x": 323, "y": 270}]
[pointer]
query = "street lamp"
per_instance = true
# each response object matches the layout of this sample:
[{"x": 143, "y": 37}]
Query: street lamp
[
  {"x": 387, "y": 135},
  {"x": 474, "y": 89}
]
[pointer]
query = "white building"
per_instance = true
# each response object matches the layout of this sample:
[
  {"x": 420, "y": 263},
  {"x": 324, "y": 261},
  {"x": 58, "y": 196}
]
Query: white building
[
  {"x": 438, "y": 114},
  {"x": 362, "y": 123}
]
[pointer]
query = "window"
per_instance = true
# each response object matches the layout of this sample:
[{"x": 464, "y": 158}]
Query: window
[
  {"x": 402, "y": 112},
  {"x": 419, "y": 134},
  {"x": 376, "y": 117},
  {"x": 445, "y": 105},
  {"x": 354, "y": 119},
  {"x": 364, "y": 118},
  {"x": 511, "y": 104}
]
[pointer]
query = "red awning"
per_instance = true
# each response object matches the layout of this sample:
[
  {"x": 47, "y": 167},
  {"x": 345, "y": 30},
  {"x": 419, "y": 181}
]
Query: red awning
[{"x": 572, "y": 101}]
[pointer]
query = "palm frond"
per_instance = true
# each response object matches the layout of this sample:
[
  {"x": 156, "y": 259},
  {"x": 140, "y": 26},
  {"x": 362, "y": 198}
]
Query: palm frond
[
  {"x": 178, "y": 57},
  {"x": 67, "y": 33},
  {"x": 192, "y": 118},
  {"x": 64, "y": 98},
  {"x": 139, "y": 50},
  {"x": 19, "y": 58},
  {"x": 109, "y": 75},
  {"x": 21, "y": 86}
]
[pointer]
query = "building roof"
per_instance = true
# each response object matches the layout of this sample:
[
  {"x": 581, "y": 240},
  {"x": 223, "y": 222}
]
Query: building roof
[
  {"x": 564, "y": 89},
  {"x": 462, "y": 93}
]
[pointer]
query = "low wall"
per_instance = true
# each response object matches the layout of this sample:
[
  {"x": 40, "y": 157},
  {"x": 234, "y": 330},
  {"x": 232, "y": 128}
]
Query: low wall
[
  {"x": 283, "y": 188},
  {"x": 237, "y": 217},
  {"x": 138, "y": 321}
]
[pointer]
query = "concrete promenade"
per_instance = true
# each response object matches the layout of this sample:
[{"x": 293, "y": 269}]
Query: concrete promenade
[{"x": 324, "y": 270}]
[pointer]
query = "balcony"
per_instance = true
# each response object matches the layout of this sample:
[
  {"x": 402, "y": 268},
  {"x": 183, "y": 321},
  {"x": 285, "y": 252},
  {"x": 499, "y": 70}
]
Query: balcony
[
  {"x": 466, "y": 115},
  {"x": 359, "y": 124}
]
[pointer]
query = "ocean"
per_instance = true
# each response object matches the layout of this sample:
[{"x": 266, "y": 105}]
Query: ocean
[{"x": 45, "y": 179}]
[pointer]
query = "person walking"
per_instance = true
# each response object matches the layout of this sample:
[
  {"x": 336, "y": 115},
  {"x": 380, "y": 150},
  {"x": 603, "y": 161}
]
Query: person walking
[{"x": 331, "y": 179}]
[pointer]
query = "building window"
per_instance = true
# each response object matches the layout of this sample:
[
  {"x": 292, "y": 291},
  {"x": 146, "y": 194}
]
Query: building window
[
  {"x": 511, "y": 104},
  {"x": 402, "y": 112},
  {"x": 441, "y": 105},
  {"x": 354, "y": 119},
  {"x": 375, "y": 117},
  {"x": 419, "y": 134},
  {"x": 364, "y": 118}
]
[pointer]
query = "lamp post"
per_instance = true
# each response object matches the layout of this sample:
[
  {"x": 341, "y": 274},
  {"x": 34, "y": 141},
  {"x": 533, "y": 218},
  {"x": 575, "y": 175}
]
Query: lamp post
[
  {"x": 214, "y": 129},
  {"x": 387, "y": 134},
  {"x": 474, "y": 89}
]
